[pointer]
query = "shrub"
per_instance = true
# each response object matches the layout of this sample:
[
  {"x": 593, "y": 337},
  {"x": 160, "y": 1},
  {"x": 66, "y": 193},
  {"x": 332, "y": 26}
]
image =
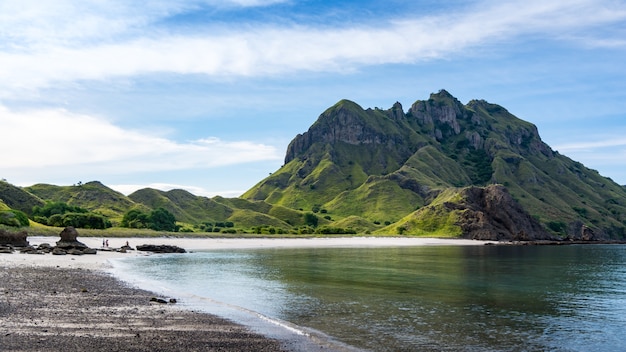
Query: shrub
[
  {"x": 162, "y": 220},
  {"x": 311, "y": 219},
  {"x": 14, "y": 218},
  {"x": 79, "y": 220},
  {"x": 135, "y": 219}
]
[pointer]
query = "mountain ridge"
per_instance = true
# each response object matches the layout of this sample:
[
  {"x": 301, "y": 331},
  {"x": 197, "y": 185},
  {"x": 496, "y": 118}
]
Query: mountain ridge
[{"x": 440, "y": 169}]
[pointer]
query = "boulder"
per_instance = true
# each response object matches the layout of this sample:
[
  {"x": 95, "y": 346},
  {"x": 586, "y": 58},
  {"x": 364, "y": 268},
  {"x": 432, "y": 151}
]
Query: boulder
[
  {"x": 16, "y": 239},
  {"x": 58, "y": 251},
  {"x": 90, "y": 251}
]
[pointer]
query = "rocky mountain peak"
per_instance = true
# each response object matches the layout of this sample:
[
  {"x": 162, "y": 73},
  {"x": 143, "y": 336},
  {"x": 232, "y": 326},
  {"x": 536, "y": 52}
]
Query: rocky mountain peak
[{"x": 439, "y": 115}]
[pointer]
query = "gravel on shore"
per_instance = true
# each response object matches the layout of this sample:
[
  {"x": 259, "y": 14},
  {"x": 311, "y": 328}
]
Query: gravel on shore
[{"x": 61, "y": 309}]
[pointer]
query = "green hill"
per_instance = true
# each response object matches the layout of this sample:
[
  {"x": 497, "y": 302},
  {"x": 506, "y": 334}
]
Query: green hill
[
  {"x": 383, "y": 165},
  {"x": 18, "y": 198},
  {"x": 185, "y": 206},
  {"x": 93, "y": 196}
]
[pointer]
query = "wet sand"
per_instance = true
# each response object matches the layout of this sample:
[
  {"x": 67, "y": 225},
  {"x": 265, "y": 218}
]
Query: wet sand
[{"x": 60, "y": 309}]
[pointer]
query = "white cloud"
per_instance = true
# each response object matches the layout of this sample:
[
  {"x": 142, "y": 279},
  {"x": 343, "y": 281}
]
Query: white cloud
[
  {"x": 137, "y": 49},
  {"x": 58, "y": 141},
  {"x": 592, "y": 144}
]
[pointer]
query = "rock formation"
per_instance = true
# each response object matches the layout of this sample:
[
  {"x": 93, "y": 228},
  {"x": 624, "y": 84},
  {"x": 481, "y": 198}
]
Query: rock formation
[
  {"x": 490, "y": 213},
  {"x": 70, "y": 245},
  {"x": 160, "y": 248},
  {"x": 15, "y": 239}
]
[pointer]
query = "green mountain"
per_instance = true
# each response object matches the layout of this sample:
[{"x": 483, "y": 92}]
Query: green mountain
[{"x": 390, "y": 167}]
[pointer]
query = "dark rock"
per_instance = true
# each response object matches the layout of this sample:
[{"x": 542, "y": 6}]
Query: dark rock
[
  {"x": 490, "y": 213},
  {"x": 158, "y": 300},
  {"x": 68, "y": 239},
  {"x": 16, "y": 239},
  {"x": 58, "y": 251},
  {"x": 173, "y": 300},
  {"x": 90, "y": 251},
  {"x": 30, "y": 250},
  {"x": 74, "y": 251},
  {"x": 160, "y": 248}
]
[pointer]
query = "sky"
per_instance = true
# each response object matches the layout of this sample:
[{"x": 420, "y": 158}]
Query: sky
[{"x": 205, "y": 95}]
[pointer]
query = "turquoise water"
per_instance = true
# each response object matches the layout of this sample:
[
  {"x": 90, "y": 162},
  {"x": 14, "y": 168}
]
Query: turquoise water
[{"x": 469, "y": 298}]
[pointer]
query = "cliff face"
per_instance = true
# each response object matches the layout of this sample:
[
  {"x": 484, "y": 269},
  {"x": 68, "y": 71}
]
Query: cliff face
[
  {"x": 391, "y": 163},
  {"x": 490, "y": 213},
  {"x": 348, "y": 123}
]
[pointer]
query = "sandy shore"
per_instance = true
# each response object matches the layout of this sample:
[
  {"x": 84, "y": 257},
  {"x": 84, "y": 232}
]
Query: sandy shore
[
  {"x": 100, "y": 261},
  {"x": 71, "y": 303}
]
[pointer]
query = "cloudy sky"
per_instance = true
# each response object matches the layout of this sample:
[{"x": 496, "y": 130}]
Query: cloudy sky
[{"x": 205, "y": 95}]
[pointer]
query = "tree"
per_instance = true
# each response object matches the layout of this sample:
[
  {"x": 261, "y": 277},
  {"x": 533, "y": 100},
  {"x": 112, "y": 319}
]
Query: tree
[
  {"x": 14, "y": 218},
  {"x": 310, "y": 219},
  {"x": 135, "y": 219},
  {"x": 52, "y": 208},
  {"x": 162, "y": 220}
]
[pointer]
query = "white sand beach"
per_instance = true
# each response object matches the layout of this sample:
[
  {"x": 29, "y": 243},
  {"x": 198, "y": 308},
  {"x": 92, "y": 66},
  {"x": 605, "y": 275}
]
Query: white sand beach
[{"x": 100, "y": 261}]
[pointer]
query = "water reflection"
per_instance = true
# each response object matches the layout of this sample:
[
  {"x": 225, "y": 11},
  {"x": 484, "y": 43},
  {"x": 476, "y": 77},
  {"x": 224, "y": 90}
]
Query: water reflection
[{"x": 408, "y": 298}]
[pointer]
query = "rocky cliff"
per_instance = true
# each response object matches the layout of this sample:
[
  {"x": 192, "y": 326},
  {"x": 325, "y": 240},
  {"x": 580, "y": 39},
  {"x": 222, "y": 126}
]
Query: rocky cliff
[{"x": 490, "y": 213}]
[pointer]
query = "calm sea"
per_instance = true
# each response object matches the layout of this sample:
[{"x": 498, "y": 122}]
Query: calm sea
[{"x": 456, "y": 298}]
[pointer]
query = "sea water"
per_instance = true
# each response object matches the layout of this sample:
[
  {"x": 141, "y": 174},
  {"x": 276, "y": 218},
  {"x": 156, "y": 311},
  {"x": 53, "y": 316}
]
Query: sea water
[{"x": 456, "y": 298}]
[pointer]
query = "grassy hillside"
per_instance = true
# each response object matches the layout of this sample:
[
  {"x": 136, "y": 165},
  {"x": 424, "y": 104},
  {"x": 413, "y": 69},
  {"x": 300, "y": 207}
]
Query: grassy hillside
[
  {"x": 93, "y": 196},
  {"x": 383, "y": 165},
  {"x": 18, "y": 198}
]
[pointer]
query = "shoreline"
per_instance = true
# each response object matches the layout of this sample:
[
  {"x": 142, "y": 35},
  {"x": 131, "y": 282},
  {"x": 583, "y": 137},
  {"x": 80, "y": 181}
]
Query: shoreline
[
  {"x": 68, "y": 302},
  {"x": 100, "y": 261}
]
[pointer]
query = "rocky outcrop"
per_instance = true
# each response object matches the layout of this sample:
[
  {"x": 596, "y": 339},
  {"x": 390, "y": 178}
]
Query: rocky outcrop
[
  {"x": 68, "y": 244},
  {"x": 439, "y": 115},
  {"x": 348, "y": 123},
  {"x": 15, "y": 239},
  {"x": 490, "y": 213},
  {"x": 68, "y": 240},
  {"x": 160, "y": 248}
]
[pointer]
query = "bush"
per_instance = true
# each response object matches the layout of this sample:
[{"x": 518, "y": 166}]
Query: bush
[
  {"x": 52, "y": 208},
  {"x": 8, "y": 218},
  {"x": 14, "y": 218},
  {"x": 135, "y": 219},
  {"x": 79, "y": 220},
  {"x": 311, "y": 219},
  {"x": 334, "y": 231},
  {"x": 162, "y": 220}
]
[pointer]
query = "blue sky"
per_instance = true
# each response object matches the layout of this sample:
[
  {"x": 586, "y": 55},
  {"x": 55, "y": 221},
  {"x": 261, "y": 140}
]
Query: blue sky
[{"x": 205, "y": 95}]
